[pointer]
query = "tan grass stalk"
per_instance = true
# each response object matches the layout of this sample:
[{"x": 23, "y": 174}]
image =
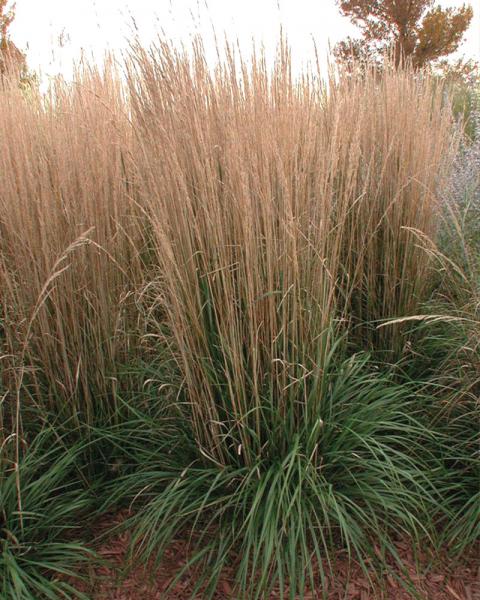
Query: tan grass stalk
[
  {"x": 277, "y": 209},
  {"x": 272, "y": 208},
  {"x": 63, "y": 164}
]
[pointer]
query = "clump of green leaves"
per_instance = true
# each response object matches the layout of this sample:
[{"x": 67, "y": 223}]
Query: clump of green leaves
[
  {"x": 353, "y": 478},
  {"x": 41, "y": 501}
]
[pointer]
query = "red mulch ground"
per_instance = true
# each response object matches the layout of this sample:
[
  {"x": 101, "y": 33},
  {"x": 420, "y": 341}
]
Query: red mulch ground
[{"x": 446, "y": 581}]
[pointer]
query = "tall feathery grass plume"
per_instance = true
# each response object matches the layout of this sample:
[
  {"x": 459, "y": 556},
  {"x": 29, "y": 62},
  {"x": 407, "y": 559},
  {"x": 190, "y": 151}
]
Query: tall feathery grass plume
[
  {"x": 280, "y": 211},
  {"x": 71, "y": 241}
]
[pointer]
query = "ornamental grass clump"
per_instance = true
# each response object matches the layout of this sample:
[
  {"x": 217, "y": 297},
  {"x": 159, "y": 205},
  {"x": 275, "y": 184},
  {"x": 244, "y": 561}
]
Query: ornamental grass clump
[
  {"x": 284, "y": 215},
  {"x": 239, "y": 232}
]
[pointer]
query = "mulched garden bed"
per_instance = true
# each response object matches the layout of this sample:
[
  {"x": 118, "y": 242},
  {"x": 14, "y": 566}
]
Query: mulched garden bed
[{"x": 446, "y": 580}]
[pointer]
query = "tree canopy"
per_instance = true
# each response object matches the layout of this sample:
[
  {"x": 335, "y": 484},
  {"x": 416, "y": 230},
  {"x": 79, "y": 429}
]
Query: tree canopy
[{"x": 408, "y": 29}]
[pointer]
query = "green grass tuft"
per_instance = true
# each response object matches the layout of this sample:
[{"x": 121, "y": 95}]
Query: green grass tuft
[
  {"x": 354, "y": 479},
  {"x": 42, "y": 502}
]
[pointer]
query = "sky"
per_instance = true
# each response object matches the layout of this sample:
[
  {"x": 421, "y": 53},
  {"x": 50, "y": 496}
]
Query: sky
[{"x": 54, "y": 32}]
